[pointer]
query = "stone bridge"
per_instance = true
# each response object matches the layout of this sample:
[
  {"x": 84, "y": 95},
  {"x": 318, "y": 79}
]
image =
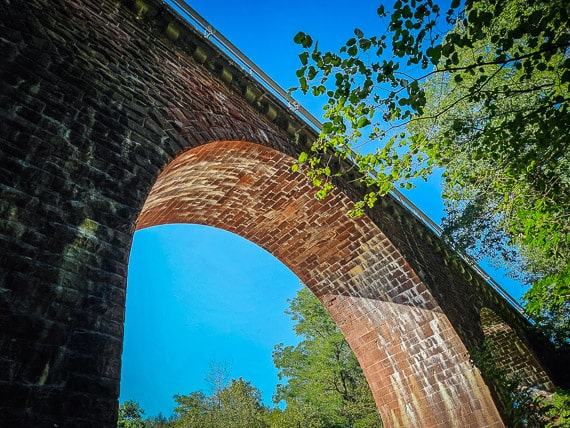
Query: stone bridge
[{"x": 116, "y": 115}]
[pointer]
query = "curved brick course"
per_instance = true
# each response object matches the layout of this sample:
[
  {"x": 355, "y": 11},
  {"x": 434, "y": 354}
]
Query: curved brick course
[
  {"x": 98, "y": 98},
  {"x": 416, "y": 364}
]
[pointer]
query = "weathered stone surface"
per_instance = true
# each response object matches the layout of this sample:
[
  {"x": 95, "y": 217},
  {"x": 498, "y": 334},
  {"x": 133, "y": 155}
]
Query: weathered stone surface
[{"x": 105, "y": 102}]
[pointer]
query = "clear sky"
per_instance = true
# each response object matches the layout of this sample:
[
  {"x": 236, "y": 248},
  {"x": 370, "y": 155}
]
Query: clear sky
[
  {"x": 198, "y": 294},
  {"x": 195, "y": 295}
]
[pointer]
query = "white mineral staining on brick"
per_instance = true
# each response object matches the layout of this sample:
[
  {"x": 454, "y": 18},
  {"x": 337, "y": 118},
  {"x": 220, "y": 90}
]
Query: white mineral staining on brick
[
  {"x": 414, "y": 360},
  {"x": 43, "y": 378}
]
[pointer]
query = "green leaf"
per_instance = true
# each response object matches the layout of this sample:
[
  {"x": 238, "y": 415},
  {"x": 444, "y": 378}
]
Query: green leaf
[
  {"x": 304, "y": 84},
  {"x": 299, "y": 37},
  {"x": 434, "y": 53},
  {"x": 311, "y": 72},
  {"x": 365, "y": 44},
  {"x": 307, "y": 42},
  {"x": 363, "y": 121},
  {"x": 486, "y": 116}
]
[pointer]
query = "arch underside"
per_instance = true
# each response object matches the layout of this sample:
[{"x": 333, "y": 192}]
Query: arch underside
[
  {"x": 416, "y": 365},
  {"x": 511, "y": 355}
]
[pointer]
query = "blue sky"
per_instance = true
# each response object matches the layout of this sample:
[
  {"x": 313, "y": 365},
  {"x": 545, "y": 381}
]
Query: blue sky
[{"x": 198, "y": 294}]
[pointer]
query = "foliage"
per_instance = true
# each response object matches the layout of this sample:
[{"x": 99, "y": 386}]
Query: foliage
[
  {"x": 218, "y": 376},
  {"x": 516, "y": 401},
  {"x": 192, "y": 410},
  {"x": 482, "y": 95},
  {"x": 503, "y": 192},
  {"x": 557, "y": 409},
  {"x": 548, "y": 302},
  {"x": 236, "y": 405},
  {"x": 241, "y": 405},
  {"x": 159, "y": 421},
  {"x": 232, "y": 403},
  {"x": 522, "y": 406},
  {"x": 130, "y": 415},
  {"x": 324, "y": 385}
]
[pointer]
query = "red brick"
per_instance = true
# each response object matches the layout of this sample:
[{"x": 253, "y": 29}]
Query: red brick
[{"x": 122, "y": 112}]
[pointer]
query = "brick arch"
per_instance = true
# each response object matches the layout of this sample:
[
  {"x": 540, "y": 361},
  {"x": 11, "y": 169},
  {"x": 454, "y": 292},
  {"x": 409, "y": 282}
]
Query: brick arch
[
  {"x": 512, "y": 355},
  {"x": 415, "y": 362},
  {"x": 101, "y": 95}
]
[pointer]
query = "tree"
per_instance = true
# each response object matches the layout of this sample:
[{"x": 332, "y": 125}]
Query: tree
[
  {"x": 324, "y": 385},
  {"x": 218, "y": 376},
  {"x": 130, "y": 415},
  {"x": 192, "y": 410},
  {"x": 237, "y": 405},
  {"x": 159, "y": 421},
  {"x": 486, "y": 100},
  {"x": 507, "y": 174},
  {"x": 521, "y": 406},
  {"x": 241, "y": 406}
]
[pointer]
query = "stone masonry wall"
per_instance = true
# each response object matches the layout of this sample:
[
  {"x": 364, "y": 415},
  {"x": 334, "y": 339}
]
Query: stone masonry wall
[{"x": 98, "y": 97}]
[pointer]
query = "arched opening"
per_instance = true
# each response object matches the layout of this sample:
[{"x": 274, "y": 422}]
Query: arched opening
[
  {"x": 198, "y": 295},
  {"x": 416, "y": 365},
  {"x": 511, "y": 355}
]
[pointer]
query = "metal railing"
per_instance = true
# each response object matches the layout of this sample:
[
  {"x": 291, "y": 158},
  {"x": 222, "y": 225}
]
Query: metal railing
[
  {"x": 209, "y": 32},
  {"x": 193, "y": 17}
]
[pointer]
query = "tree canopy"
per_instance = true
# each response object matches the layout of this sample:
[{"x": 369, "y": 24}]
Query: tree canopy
[
  {"x": 479, "y": 92},
  {"x": 237, "y": 405},
  {"x": 323, "y": 383},
  {"x": 321, "y": 386},
  {"x": 130, "y": 415}
]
